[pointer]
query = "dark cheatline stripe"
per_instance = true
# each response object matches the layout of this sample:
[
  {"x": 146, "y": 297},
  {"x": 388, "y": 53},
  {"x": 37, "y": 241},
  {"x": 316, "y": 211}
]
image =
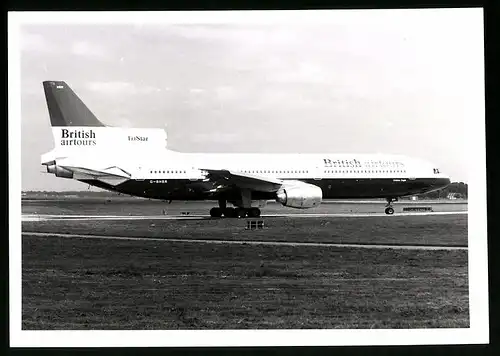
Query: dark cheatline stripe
[{"x": 342, "y": 188}]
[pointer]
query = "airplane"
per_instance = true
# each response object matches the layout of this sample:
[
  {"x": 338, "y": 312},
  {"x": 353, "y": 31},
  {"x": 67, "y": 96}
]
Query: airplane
[{"x": 137, "y": 162}]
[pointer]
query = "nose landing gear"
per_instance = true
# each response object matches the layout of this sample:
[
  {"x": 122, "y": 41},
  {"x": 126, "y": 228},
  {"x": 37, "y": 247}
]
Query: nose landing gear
[{"x": 389, "y": 210}]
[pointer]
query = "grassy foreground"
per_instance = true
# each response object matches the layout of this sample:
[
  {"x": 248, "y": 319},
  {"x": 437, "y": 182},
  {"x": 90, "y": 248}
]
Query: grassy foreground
[
  {"x": 101, "y": 284},
  {"x": 74, "y": 283}
]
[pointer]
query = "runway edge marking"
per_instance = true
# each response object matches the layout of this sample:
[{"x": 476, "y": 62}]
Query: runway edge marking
[{"x": 250, "y": 242}]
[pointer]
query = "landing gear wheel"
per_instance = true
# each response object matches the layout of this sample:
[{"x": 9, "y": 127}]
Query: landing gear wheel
[
  {"x": 216, "y": 212},
  {"x": 389, "y": 210},
  {"x": 241, "y": 213},
  {"x": 230, "y": 213},
  {"x": 253, "y": 212}
]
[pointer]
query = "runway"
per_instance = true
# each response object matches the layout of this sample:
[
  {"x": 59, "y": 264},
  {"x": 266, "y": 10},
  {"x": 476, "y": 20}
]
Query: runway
[
  {"x": 250, "y": 242},
  {"x": 44, "y": 217},
  {"x": 35, "y": 217}
]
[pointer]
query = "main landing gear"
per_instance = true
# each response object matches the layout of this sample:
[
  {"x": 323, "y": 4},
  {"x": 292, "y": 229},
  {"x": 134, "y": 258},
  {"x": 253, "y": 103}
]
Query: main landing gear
[
  {"x": 389, "y": 210},
  {"x": 235, "y": 212},
  {"x": 223, "y": 210}
]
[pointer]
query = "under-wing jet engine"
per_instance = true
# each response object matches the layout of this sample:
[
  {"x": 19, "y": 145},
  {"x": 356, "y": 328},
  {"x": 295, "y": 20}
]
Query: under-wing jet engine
[{"x": 296, "y": 194}]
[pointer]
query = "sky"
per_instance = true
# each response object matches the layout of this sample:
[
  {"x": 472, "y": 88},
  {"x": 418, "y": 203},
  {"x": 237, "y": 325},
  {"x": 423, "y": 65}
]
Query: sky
[{"x": 373, "y": 81}]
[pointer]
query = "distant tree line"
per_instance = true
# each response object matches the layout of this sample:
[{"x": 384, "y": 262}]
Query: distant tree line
[
  {"x": 457, "y": 189},
  {"x": 78, "y": 193}
]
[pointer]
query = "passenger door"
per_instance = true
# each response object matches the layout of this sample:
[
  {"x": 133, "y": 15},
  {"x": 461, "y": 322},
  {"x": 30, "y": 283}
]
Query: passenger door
[{"x": 318, "y": 173}]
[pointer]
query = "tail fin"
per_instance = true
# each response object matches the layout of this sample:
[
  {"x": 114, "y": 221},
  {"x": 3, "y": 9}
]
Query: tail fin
[
  {"x": 76, "y": 130},
  {"x": 66, "y": 108}
]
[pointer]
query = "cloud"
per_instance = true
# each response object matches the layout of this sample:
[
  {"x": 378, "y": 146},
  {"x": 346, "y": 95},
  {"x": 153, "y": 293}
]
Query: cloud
[
  {"x": 120, "y": 88},
  {"x": 31, "y": 42},
  {"x": 88, "y": 49},
  {"x": 219, "y": 137},
  {"x": 123, "y": 122},
  {"x": 302, "y": 72},
  {"x": 267, "y": 35},
  {"x": 225, "y": 93}
]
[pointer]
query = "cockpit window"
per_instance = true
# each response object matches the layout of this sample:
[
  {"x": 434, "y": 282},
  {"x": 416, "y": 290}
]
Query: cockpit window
[{"x": 436, "y": 170}]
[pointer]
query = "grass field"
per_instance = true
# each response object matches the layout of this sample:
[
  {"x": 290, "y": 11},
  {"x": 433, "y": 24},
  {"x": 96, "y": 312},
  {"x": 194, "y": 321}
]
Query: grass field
[
  {"x": 415, "y": 230},
  {"x": 75, "y": 283}
]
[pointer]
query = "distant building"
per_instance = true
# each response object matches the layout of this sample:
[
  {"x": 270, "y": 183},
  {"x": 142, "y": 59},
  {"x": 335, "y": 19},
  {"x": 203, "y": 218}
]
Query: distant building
[
  {"x": 452, "y": 196},
  {"x": 414, "y": 197}
]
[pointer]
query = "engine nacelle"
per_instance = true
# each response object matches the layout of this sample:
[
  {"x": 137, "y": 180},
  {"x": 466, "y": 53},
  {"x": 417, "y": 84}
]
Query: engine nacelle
[
  {"x": 299, "y": 195},
  {"x": 59, "y": 171}
]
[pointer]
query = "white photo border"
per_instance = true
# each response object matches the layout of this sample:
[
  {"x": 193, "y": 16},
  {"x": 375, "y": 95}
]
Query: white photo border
[{"x": 477, "y": 333}]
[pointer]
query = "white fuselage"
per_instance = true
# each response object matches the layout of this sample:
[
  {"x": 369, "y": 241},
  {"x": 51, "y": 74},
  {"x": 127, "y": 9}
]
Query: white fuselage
[{"x": 175, "y": 165}]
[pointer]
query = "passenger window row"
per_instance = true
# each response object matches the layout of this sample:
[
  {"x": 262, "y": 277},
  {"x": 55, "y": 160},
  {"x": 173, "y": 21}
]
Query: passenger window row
[
  {"x": 167, "y": 171},
  {"x": 291, "y": 171},
  {"x": 365, "y": 171},
  {"x": 274, "y": 171}
]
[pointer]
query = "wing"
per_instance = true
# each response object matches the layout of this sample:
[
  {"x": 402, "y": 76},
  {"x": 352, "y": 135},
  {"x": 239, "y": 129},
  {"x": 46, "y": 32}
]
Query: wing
[{"x": 241, "y": 180}]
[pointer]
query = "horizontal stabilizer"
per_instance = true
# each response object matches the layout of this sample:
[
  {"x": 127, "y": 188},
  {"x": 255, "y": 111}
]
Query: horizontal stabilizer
[
  {"x": 111, "y": 175},
  {"x": 111, "y": 171}
]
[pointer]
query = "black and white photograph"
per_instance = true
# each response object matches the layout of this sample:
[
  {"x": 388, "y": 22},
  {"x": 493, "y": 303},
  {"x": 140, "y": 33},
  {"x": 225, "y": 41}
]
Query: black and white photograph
[{"x": 244, "y": 178}]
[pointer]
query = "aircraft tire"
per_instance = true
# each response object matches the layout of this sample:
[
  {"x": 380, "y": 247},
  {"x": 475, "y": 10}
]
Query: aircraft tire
[
  {"x": 389, "y": 211},
  {"x": 216, "y": 212},
  {"x": 253, "y": 212},
  {"x": 230, "y": 213},
  {"x": 241, "y": 213}
]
